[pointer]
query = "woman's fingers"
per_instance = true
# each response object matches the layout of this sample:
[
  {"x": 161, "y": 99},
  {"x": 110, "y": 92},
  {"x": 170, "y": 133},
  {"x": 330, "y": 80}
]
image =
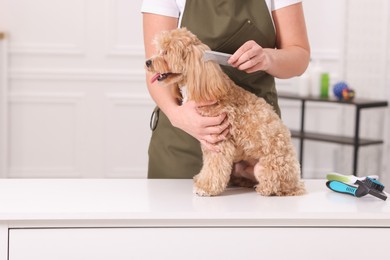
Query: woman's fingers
[
  {"x": 241, "y": 55},
  {"x": 216, "y": 138},
  {"x": 213, "y": 120},
  {"x": 209, "y": 130},
  {"x": 211, "y": 141},
  {"x": 250, "y": 57},
  {"x": 217, "y": 125},
  {"x": 206, "y": 103}
]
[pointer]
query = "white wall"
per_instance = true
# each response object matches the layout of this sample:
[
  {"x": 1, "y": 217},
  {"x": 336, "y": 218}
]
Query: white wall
[
  {"x": 77, "y": 104},
  {"x": 351, "y": 44},
  {"x": 326, "y": 28},
  {"x": 367, "y": 69}
]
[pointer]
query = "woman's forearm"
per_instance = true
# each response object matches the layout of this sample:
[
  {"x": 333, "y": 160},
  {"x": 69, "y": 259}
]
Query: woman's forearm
[
  {"x": 292, "y": 55},
  {"x": 288, "y": 62}
]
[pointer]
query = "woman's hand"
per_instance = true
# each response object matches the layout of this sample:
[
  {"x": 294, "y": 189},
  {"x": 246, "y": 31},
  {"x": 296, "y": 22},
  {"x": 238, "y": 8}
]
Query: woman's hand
[
  {"x": 250, "y": 57},
  {"x": 208, "y": 130},
  {"x": 291, "y": 55}
]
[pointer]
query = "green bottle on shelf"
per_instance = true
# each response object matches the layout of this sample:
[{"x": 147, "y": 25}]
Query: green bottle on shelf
[{"x": 325, "y": 85}]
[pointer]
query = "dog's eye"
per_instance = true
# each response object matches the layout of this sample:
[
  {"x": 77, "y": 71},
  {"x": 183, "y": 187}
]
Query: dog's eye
[{"x": 164, "y": 53}]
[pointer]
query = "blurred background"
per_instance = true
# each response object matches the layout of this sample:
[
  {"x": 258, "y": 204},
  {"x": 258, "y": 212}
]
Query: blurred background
[{"x": 74, "y": 103}]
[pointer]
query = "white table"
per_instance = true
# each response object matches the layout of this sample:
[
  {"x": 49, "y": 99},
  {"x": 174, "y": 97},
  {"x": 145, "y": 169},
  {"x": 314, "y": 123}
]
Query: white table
[{"x": 144, "y": 219}]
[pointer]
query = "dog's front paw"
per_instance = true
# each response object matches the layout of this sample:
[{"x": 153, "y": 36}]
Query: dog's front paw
[
  {"x": 206, "y": 186},
  {"x": 200, "y": 192},
  {"x": 197, "y": 189}
]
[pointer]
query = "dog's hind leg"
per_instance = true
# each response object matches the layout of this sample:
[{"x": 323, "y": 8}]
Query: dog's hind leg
[
  {"x": 278, "y": 176},
  {"x": 215, "y": 173},
  {"x": 267, "y": 181}
]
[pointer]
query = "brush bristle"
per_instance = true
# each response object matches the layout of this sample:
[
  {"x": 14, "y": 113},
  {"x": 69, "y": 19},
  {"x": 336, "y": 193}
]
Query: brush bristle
[
  {"x": 374, "y": 184},
  {"x": 338, "y": 177}
]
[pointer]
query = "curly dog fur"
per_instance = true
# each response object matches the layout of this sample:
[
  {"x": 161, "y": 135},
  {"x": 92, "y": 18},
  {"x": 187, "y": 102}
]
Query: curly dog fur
[{"x": 257, "y": 134}]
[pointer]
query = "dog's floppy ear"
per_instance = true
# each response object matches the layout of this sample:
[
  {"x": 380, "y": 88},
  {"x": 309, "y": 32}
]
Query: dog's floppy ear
[{"x": 205, "y": 80}]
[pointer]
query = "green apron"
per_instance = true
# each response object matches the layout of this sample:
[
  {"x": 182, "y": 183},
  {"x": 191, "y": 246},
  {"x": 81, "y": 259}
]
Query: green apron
[{"x": 224, "y": 25}]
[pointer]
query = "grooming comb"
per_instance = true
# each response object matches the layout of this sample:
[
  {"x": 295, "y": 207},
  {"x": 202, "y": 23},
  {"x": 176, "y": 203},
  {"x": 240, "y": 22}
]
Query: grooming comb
[{"x": 219, "y": 57}]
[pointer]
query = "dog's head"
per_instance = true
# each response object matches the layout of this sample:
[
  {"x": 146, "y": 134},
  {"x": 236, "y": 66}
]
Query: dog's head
[{"x": 179, "y": 61}]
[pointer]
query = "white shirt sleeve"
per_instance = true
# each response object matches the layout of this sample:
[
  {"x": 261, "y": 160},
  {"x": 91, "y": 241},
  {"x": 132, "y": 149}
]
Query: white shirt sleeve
[
  {"x": 162, "y": 7},
  {"x": 277, "y": 4}
]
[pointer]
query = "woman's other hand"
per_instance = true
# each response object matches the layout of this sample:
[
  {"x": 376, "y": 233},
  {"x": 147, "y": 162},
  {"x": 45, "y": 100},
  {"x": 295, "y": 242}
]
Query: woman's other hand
[{"x": 208, "y": 130}]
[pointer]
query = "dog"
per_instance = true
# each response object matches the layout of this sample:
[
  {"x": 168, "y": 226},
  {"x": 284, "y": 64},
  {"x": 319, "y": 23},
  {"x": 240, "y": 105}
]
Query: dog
[{"x": 257, "y": 134}]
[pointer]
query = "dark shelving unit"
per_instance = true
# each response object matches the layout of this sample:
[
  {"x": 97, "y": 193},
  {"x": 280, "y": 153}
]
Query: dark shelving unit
[{"x": 355, "y": 140}]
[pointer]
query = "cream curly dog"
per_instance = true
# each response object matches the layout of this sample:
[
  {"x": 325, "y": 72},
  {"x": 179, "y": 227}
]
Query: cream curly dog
[{"x": 257, "y": 134}]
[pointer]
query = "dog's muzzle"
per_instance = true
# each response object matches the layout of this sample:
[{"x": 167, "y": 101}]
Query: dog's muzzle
[{"x": 158, "y": 76}]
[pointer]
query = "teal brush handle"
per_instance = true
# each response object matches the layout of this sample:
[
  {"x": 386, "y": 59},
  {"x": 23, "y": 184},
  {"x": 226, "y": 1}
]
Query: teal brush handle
[{"x": 341, "y": 187}]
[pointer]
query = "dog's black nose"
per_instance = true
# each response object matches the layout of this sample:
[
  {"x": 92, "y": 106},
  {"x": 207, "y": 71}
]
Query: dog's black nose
[{"x": 148, "y": 63}]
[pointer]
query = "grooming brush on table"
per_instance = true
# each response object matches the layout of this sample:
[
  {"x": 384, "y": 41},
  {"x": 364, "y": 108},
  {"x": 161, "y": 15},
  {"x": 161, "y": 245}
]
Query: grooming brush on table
[
  {"x": 349, "y": 179},
  {"x": 356, "y": 186}
]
